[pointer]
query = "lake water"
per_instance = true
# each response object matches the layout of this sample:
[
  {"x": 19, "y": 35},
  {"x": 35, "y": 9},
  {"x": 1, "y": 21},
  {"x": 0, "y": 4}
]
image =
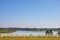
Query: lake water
[{"x": 35, "y": 33}]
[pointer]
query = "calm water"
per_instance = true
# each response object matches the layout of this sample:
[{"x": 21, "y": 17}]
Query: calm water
[{"x": 35, "y": 33}]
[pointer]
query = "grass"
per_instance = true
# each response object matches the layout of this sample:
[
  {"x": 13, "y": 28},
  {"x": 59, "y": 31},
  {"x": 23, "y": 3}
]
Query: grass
[
  {"x": 6, "y": 31},
  {"x": 29, "y": 38}
]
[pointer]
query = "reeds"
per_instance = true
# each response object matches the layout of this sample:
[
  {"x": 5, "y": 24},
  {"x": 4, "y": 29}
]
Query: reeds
[{"x": 29, "y": 38}]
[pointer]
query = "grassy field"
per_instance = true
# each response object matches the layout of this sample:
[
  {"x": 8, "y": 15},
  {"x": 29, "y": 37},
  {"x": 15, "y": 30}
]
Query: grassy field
[
  {"x": 29, "y": 38},
  {"x": 6, "y": 31}
]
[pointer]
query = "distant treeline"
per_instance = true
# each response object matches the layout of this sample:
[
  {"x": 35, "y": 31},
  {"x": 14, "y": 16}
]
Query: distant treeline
[{"x": 30, "y": 29}]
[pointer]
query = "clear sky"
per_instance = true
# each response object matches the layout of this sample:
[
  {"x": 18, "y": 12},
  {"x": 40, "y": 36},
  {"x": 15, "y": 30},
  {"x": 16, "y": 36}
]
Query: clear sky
[{"x": 30, "y": 13}]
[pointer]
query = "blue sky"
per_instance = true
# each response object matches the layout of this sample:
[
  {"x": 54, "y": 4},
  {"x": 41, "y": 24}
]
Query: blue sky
[{"x": 30, "y": 13}]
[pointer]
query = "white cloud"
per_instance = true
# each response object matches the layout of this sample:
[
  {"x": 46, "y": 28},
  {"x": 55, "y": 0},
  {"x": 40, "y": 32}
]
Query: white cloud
[{"x": 31, "y": 25}]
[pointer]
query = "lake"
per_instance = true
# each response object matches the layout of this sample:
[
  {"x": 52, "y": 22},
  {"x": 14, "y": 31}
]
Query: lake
[{"x": 35, "y": 33}]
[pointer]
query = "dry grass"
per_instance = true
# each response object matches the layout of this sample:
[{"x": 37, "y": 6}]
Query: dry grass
[{"x": 29, "y": 38}]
